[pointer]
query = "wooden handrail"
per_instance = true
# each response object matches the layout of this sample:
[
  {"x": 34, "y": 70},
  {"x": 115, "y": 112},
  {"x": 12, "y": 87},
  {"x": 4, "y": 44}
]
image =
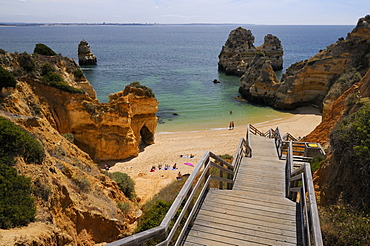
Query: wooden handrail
[
  {"x": 311, "y": 229},
  {"x": 188, "y": 193},
  {"x": 289, "y": 137}
]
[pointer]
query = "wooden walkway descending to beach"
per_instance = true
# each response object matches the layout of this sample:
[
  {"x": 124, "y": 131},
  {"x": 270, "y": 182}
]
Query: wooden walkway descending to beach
[{"x": 256, "y": 211}]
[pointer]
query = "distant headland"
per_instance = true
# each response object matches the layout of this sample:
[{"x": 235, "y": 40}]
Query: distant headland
[{"x": 110, "y": 24}]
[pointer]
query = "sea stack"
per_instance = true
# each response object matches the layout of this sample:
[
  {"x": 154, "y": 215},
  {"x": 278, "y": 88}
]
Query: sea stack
[
  {"x": 273, "y": 50},
  {"x": 318, "y": 81},
  {"x": 239, "y": 51},
  {"x": 85, "y": 57}
]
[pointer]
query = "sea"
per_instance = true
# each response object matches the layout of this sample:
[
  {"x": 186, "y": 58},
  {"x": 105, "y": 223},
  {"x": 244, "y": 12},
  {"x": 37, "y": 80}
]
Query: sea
[{"x": 178, "y": 62}]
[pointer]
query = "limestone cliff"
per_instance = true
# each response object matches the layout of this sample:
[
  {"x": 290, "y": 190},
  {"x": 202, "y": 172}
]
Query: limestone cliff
[
  {"x": 307, "y": 83},
  {"x": 239, "y": 51},
  {"x": 76, "y": 203},
  {"x": 106, "y": 131},
  {"x": 85, "y": 57}
]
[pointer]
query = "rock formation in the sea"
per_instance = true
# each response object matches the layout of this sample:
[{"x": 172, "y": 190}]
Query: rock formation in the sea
[
  {"x": 308, "y": 82},
  {"x": 238, "y": 52},
  {"x": 259, "y": 79},
  {"x": 85, "y": 57},
  {"x": 76, "y": 203},
  {"x": 273, "y": 49}
]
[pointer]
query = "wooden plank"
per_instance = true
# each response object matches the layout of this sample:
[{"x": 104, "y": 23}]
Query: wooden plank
[
  {"x": 251, "y": 225},
  {"x": 227, "y": 203},
  {"x": 234, "y": 238},
  {"x": 255, "y": 215},
  {"x": 252, "y": 195},
  {"x": 260, "y": 190},
  {"x": 285, "y": 203},
  {"x": 244, "y": 230},
  {"x": 206, "y": 239}
]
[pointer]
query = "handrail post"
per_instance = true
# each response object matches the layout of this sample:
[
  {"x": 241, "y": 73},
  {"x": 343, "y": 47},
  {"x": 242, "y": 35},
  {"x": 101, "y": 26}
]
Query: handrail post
[
  {"x": 288, "y": 170},
  {"x": 221, "y": 185},
  {"x": 207, "y": 174}
]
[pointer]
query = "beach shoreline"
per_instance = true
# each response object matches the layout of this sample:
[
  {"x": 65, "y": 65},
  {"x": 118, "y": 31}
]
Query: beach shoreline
[{"x": 172, "y": 147}]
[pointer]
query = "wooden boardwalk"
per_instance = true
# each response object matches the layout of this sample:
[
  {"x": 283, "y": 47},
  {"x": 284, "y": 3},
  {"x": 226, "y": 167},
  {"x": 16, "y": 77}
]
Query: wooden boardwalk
[{"x": 256, "y": 211}]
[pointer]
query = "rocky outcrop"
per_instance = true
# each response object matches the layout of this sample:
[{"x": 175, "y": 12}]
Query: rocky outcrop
[
  {"x": 85, "y": 57},
  {"x": 307, "y": 83},
  {"x": 273, "y": 49},
  {"x": 106, "y": 131},
  {"x": 239, "y": 51},
  {"x": 76, "y": 203},
  {"x": 259, "y": 79}
]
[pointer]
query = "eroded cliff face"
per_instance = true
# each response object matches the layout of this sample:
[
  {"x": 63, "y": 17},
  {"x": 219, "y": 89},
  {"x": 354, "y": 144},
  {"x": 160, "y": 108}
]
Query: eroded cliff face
[
  {"x": 238, "y": 53},
  {"x": 106, "y": 131},
  {"x": 333, "y": 178},
  {"x": 76, "y": 203},
  {"x": 307, "y": 83}
]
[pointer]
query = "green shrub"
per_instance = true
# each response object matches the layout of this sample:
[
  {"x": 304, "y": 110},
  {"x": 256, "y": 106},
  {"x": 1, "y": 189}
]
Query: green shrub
[
  {"x": 54, "y": 80},
  {"x": 147, "y": 90},
  {"x": 6, "y": 79},
  {"x": 350, "y": 142},
  {"x": 155, "y": 210},
  {"x": 27, "y": 62},
  {"x": 69, "y": 136},
  {"x": 46, "y": 68},
  {"x": 17, "y": 206},
  {"x": 344, "y": 225},
  {"x": 82, "y": 183},
  {"x": 78, "y": 73},
  {"x": 153, "y": 216},
  {"x": 42, "y": 49},
  {"x": 315, "y": 162},
  {"x": 125, "y": 183},
  {"x": 124, "y": 207},
  {"x": 15, "y": 141}
]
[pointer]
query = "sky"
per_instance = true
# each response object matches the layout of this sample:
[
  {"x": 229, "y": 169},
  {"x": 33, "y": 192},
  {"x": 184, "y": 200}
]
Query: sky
[{"x": 262, "y": 12}]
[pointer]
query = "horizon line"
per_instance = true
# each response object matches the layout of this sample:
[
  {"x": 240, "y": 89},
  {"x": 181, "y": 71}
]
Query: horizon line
[{"x": 147, "y": 24}]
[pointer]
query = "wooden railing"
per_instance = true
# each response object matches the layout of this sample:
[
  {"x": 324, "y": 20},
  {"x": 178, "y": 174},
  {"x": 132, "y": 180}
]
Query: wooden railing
[
  {"x": 269, "y": 134},
  {"x": 302, "y": 151},
  {"x": 172, "y": 230},
  {"x": 299, "y": 180},
  {"x": 289, "y": 137}
]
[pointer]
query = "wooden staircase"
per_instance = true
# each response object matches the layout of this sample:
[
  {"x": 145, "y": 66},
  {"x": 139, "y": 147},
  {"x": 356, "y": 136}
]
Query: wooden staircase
[{"x": 256, "y": 211}]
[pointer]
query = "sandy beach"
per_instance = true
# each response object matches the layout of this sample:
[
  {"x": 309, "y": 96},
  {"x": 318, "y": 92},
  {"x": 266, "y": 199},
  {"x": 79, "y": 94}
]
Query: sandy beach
[{"x": 169, "y": 147}]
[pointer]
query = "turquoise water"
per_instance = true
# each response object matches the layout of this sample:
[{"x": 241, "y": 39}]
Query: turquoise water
[{"x": 178, "y": 62}]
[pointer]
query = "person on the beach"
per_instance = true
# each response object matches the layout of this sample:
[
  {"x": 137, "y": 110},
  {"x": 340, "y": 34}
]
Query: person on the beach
[
  {"x": 232, "y": 125},
  {"x": 179, "y": 176},
  {"x": 174, "y": 167}
]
